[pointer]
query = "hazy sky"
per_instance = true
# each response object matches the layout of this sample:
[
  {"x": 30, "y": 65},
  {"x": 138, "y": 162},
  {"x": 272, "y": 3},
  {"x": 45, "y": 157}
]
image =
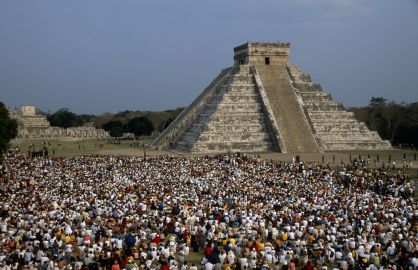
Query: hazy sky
[{"x": 96, "y": 56}]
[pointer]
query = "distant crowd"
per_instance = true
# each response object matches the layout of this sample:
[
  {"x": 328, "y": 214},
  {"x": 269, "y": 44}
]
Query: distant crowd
[{"x": 188, "y": 213}]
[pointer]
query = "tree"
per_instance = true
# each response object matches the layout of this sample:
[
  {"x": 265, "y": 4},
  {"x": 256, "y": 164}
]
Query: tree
[
  {"x": 167, "y": 123},
  {"x": 108, "y": 126},
  {"x": 8, "y": 128},
  {"x": 140, "y": 126},
  {"x": 64, "y": 118},
  {"x": 377, "y": 102},
  {"x": 394, "y": 115},
  {"x": 395, "y": 122},
  {"x": 116, "y": 132},
  {"x": 376, "y": 116}
]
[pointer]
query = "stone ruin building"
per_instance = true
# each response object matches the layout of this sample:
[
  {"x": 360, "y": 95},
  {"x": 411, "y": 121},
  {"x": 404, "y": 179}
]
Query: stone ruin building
[
  {"x": 265, "y": 103},
  {"x": 32, "y": 125}
]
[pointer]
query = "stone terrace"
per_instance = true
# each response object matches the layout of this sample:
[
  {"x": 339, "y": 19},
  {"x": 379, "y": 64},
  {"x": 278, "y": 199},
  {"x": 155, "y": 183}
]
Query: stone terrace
[
  {"x": 335, "y": 128},
  {"x": 231, "y": 121}
]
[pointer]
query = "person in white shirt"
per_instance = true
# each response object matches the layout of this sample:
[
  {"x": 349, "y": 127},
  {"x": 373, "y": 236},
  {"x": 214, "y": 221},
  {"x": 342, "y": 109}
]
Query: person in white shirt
[
  {"x": 209, "y": 265},
  {"x": 193, "y": 267}
]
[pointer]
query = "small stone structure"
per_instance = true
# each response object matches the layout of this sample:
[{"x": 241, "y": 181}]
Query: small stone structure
[
  {"x": 265, "y": 103},
  {"x": 33, "y": 125},
  {"x": 261, "y": 53}
]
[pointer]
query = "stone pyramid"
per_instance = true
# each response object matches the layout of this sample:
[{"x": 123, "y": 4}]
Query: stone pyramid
[{"x": 264, "y": 103}]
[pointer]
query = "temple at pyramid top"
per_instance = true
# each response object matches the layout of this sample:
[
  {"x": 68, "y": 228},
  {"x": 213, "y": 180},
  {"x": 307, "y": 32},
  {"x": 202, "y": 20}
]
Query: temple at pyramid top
[
  {"x": 261, "y": 53},
  {"x": 264, "y": 103}
]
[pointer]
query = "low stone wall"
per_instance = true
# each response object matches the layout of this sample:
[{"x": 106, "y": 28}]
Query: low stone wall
[{"x": 38, "y": 127}]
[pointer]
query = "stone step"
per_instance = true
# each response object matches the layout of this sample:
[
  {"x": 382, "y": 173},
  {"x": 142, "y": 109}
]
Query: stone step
[
  {"x": 343, "y": 128},
  {"x": 308, "y": 87},
  {"x": 247, "y": 146},
  {"x": 349, "y": 136},
  {"x": 241, "y": 85},
  {"x": 223, "y": 136},
  {"x": 333, "y": 120},
  {"x": 242, "y": 79},
  {"x": 336, "y": 126},
  {"x": 326, "y": 114},
  {"x": 222, "y": 120},
  {"x": 235, "y": 104},
  {"x": 240, "y": 99},
  {"x": 323, "y": 107},
  {"x": 315, "y": 97},
  {"x": 245, "y": 89},
  {"x": 237, "y": 97},
  {"x": 228, "y": 117},
  {"x": 200, "y": 144},
  {"x": 321, "y": 103},
  {"x": 353, "y": 145},
  {"x": 234, "y": 94},
  {"x": 235, "y": 107},
  {"x": 331, "y": 123},
  {"x": 226, "y": 127},
  {"x": 37, "y": 125},
  {"x": 342, "y": 122}
]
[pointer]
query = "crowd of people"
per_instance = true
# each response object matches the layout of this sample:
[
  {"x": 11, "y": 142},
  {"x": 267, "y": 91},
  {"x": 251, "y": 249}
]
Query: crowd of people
[{"x": 189, "y": 213}]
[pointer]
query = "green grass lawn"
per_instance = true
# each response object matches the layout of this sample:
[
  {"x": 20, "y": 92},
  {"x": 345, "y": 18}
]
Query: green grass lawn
[{"x": 79, "y": 147}]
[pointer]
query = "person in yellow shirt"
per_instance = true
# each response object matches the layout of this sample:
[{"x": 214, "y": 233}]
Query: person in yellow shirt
[
  {"x": 67, "y": 239},
  {"x": 261, "y": 245},
  {"x": 224, "y": 241},
  {"x": 227, "y": 265},
  {"x": 285, "y": 236}
]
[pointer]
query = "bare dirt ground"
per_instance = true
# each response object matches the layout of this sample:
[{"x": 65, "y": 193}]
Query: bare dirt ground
[
  {"x": 333, "y": 158},
  {"x": 402, "y": 157}
]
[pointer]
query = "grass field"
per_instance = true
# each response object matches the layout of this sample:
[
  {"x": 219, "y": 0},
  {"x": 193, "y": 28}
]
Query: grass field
[
  {"x": 135, "y": 148},
  {"x": 81, "y": 147}
]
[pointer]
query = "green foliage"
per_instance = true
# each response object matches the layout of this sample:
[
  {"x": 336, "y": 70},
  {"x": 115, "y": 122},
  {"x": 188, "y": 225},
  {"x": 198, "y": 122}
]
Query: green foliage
[
  {"x": 154, "y": 120},
  {"x": 159, "y": 119},
  {"x": 395, "y": 122},
  {"x": 167, "y": 123},
  {"x": 376, "y": 102},
  {"x": 123, "y": 114},
  {"x": 8, "y": 128},
  {"x": 113, "y": 124},
  {"x": 116, "y": 131},
  {"x": 140, "y": 126},
  {"x": 65, "y": 118}
]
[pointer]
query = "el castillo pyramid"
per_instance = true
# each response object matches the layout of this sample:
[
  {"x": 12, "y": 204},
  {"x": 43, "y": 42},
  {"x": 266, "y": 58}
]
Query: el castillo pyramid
[{"x": 264, "y": 103}]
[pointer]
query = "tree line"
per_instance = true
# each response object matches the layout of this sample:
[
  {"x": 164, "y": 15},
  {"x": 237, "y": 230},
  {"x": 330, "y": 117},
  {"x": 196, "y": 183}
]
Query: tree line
[
  {"x": 396, "y": 122},
  {"x": 140, "y": 126},
  {"x": 138, "y": 123}
]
